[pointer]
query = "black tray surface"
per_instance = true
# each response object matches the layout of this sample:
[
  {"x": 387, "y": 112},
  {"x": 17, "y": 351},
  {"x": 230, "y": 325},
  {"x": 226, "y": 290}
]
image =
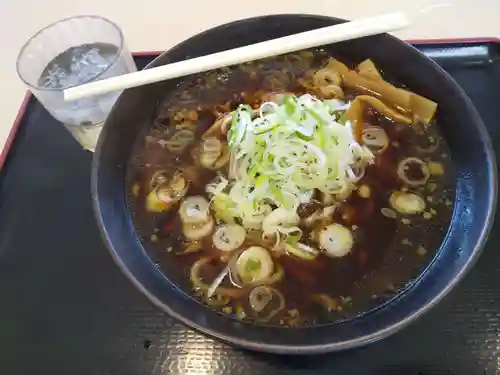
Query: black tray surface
[{"x": 65, "y": 308}]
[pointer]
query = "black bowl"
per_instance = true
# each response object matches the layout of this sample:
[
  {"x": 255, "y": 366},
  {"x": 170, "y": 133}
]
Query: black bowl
[{"x": 471, "y": 150}]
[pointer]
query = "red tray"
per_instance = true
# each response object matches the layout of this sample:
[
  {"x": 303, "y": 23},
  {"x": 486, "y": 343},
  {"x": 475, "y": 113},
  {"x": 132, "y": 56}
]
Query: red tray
[{"x": 67, "y": 309}]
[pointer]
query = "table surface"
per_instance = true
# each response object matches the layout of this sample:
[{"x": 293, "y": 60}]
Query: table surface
[{"x": 158, "y": 24}]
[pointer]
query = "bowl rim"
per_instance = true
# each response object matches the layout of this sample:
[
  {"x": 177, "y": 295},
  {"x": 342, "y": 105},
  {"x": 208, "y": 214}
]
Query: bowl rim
[{"x": 360, "y": 340}]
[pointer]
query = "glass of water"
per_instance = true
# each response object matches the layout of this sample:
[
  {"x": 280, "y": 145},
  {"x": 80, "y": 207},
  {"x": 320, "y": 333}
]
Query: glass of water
[{"x": 68, "y": 53}]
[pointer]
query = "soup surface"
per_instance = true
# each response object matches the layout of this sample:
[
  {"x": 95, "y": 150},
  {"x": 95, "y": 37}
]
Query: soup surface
[{"x": 291, "y": 191}]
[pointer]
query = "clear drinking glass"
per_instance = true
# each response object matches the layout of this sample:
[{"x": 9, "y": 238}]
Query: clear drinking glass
[{"x": 68, "y": 53}]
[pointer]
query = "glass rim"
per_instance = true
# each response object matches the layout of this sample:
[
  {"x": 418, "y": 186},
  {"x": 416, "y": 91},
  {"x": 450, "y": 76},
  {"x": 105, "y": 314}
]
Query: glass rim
[{"x": 47, "y": 27}]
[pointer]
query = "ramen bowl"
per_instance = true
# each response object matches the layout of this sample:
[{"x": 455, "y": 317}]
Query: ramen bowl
[{"x": 471, "y": 214}]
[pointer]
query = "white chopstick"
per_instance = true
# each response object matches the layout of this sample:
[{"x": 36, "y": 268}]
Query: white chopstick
[{"x": 314, "y": 38}]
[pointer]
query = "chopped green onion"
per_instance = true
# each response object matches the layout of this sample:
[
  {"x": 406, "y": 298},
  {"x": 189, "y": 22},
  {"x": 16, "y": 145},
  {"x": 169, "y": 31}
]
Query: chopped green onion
[
  {"x": 288, "y": 151},
  {"x": 252, "y": 265}
]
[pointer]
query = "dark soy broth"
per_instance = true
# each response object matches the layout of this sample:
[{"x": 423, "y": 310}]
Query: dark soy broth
[{"x": 390, "y": 250}]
